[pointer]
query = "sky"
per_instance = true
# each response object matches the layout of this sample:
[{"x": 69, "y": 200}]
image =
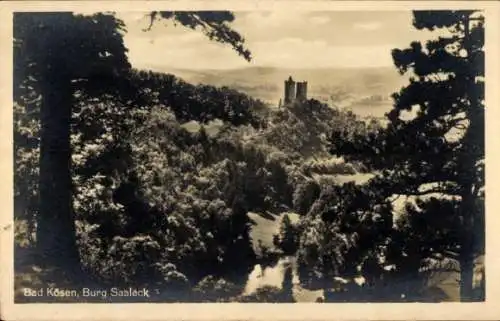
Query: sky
[{"x": 283, "y": 39}]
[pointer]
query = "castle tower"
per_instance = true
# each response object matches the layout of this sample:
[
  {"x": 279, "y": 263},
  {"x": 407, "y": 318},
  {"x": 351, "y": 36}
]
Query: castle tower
[
  {"x": 289, "y": 91},
  {"x": 302, "y": 91}
]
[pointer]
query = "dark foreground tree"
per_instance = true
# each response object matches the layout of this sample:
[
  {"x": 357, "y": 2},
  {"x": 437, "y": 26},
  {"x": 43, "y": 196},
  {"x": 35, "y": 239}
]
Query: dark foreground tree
[
  {"x": 58, "y": 53},
  {"x": 434, "y": 143},
  {"x": 287, "y": 285}
]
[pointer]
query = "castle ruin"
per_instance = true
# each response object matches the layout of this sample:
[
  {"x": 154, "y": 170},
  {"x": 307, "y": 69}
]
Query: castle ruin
[
  {"x": 295, "y": 91},
  {"x": 302, "y": 91}
]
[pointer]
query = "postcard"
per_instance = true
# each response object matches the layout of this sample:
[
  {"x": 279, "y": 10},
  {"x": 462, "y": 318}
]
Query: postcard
[{"x": 249, "y": 160}]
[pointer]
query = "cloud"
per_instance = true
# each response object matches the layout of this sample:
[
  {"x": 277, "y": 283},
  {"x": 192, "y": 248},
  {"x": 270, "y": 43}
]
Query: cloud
[
  {"x": 187, "y": 50},
  {"x": 274, "y": 25},
  {"x": 368, "y": 26},
  {"x": 291, "y": 38},
  {"x": 192, "y": 50},
  {"x": 319, "y": 20},
  {"x": 267, "y": 19},
  {"x": 300, "y": 53}
]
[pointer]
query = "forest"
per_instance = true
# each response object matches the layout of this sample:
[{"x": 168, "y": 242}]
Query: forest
[{"x": 113, "y": 190}]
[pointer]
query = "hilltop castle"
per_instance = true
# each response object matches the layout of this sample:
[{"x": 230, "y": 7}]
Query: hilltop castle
[{"x": 294, "y": 91}]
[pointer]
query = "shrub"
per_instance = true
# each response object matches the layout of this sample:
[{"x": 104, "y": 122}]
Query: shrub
[
  {"x": 125, "y": 260},
  {"x": 304, "y": 196},
  {"x": 211, "y": 289},
  {"x": 288, "y": 238}
]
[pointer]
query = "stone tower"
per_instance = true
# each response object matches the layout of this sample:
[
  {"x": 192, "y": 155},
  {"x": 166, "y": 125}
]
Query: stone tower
[
  {"x": 302, "y": 91},
  {"x": 289, "y": 91}
]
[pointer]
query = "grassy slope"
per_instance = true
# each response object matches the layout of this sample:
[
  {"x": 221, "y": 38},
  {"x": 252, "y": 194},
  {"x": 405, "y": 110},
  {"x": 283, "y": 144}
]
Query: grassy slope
[{"x": 263, "y": 228}]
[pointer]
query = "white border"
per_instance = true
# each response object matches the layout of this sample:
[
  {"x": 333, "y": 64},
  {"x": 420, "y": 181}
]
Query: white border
[{"x": 235, "y": 311}]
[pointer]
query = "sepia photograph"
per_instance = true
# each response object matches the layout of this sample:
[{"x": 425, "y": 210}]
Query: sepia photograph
[{"x": 248, "y": 156}]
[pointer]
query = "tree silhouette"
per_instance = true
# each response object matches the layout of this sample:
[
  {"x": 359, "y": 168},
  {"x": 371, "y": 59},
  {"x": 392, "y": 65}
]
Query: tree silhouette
[
  {"x": 213, "y": 24},
  {"x": 58, "y": 53},
  {"x": 434, "y": 142},
  {"x": 287, "y": 239},
  {"x": 287, "y": 284}
]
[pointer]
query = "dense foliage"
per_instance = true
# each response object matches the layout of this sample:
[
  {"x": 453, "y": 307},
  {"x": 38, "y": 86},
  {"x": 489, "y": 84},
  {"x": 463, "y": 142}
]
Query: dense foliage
[
  {"x": 143, "y": 180},
  {"x": 153, "y": 198},
  {"x": 57, "y": 54},
  {"x": 159, "y": 196},
  {"x": 201, "y": 103}
]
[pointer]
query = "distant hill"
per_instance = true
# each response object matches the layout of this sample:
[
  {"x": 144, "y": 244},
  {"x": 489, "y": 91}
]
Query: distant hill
[{"x": 365, "y": 90}]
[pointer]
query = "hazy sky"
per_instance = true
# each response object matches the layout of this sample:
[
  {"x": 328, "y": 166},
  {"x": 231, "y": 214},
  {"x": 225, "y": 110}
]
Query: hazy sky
[{"x": 291, "y": 39}]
